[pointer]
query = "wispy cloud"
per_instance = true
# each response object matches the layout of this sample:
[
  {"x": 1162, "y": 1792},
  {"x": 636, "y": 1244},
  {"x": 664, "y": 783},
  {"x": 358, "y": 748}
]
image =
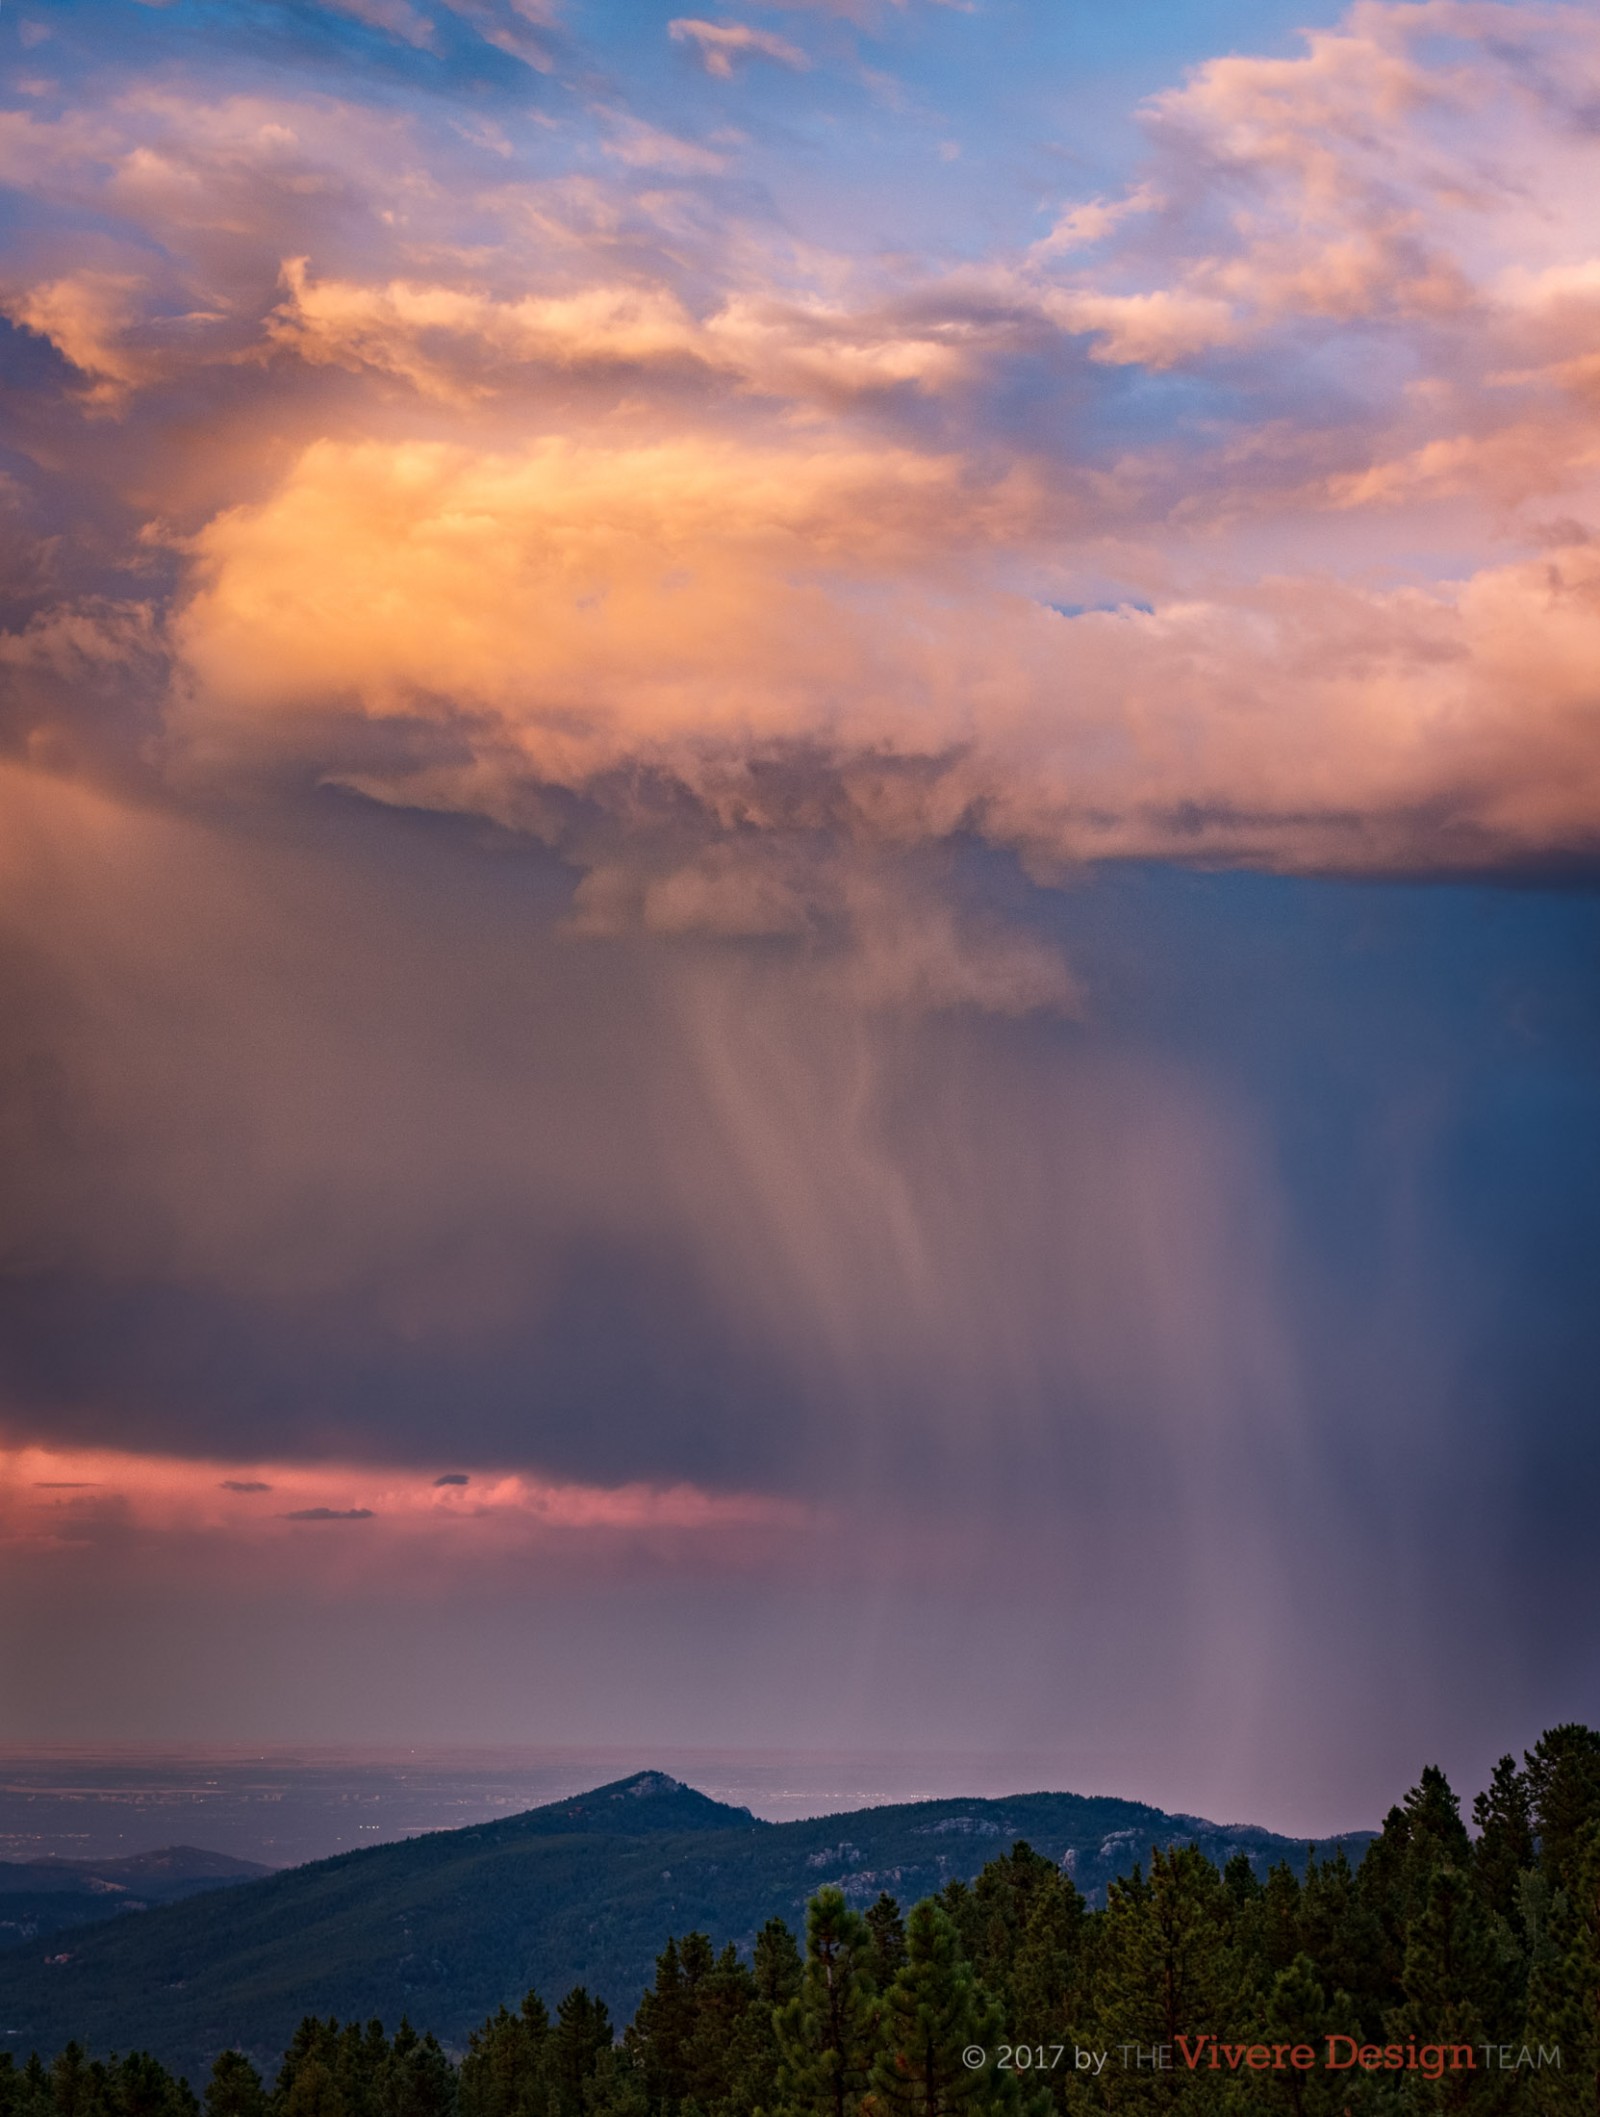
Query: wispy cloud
[
  {"x": 116, "y": 1495},
  {"x": 721, "y": 45}
]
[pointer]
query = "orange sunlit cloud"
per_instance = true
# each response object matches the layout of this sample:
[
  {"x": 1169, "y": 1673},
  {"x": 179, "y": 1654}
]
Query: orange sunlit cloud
[
  {"x": 66, "y": 1497},
  {"x": 568, "y": 612},
  {"x": 641, "y": 488}
]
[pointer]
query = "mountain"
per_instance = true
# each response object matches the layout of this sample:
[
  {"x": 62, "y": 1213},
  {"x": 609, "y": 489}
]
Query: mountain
[
  {"x": 445, "y": 1927},
  {"x": 49, "y": 1895}
]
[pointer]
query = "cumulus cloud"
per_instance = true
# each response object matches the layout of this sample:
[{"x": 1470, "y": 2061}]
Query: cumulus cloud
[
  {"x": 771, "y": 550},
  {"x": 389, "y": 329},
  {"x": 460, "y": 344},
  {"x": 780, "y": 635},
  {"x": 87, "y": 318}
]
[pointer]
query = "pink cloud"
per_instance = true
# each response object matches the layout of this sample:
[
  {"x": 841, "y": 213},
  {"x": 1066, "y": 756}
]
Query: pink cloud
[
  {"x": 361, "y": 1517},
  {"x": 721, "y": 44}
]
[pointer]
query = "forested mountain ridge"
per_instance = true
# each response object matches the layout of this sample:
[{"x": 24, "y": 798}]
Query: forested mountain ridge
[
  {"x": 1446, "y": 1973},
  {"x": 50, "y": 1894},
  {"x": 448, "y": 1926}
]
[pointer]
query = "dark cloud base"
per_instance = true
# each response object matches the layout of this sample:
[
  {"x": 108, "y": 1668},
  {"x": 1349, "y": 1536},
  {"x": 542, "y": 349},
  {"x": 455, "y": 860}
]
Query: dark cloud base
[{"x": 626, "y": 1372}]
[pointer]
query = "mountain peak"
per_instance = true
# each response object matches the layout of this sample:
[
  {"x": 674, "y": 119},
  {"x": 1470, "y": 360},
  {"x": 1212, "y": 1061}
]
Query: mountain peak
[
  {"x": 648, "y": 1783},
  {"x": 645, "y": 1801}
]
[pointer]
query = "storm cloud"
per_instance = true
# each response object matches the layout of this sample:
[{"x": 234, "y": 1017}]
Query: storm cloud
[{"x": 904, "y": 920}]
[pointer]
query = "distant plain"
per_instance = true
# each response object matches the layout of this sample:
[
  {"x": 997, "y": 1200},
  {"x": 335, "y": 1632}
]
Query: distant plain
[{"x": 286, "y": 1806}]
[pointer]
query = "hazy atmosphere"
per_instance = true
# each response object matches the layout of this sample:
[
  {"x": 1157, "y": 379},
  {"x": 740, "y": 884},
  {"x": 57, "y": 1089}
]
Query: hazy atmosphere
[{"x": 800, "y": 818}]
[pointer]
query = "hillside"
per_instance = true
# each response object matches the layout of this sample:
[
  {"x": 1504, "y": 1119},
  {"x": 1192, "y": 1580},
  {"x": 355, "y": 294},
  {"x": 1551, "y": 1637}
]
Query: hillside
[
  {"x": 445, "y": 1927},
  {"x": 51, "y": 1895}
]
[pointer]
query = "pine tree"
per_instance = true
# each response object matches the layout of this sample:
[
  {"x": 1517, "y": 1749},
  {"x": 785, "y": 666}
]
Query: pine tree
[
  {"x": 331, "y": 2070},
  {"x": 775, "y": 1964},
  {"x": 935, "y": 2015},
  {"x": 582, "y": 2031},
  {"x": 1563, "y": 1777},
  {"x": 685, "y": 2036},
  {"x": 1564, "y": 1988},
  {"x": 1456, "y": 1991},
  {"x": 1046, "y": 1967},
  {"x": 961, "y": 1906},
  {"x": 313, "y": 2092},
  {"x": 362, "y": 2056},
  {"x": 1297, "y": 2012},
  {"x": 1239, "y": 1881},
  {"x": 888, "y": 1930},
  {"x": 1343, "y": 1936},
  {"x": 1277, "y": 1912},
  {"x": 503, "y": 2071},
  {"x": 616, "y": 2087},
  {"x": 77, "y": 2088},
  {"x": 140, "y": 2086},
  {"x": 415, "y": 2079},
  {"x": 826, "y": 2032},
  {"x": 1435, "y": 1830},
  {"x": 660, "y": 2029},
  {"x": 1166, "y": 1969},
  {"x": 1423, "y": 1834},
  {"x": 306, "y": 2085},
  {"x": 235, "y": 2088},
  {"x": 1503, "y": 1817},
  {"x": 1020, "y": 1889},
  {"x": 35, "y": 2098},
  {"x": 724, "y": 1996},
  {"x": 753, "y": 2060}
]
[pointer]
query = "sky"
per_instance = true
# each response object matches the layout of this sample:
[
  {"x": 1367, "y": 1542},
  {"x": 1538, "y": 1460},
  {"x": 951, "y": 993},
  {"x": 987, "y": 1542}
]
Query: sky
[{"x": 801, "y": 821}]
